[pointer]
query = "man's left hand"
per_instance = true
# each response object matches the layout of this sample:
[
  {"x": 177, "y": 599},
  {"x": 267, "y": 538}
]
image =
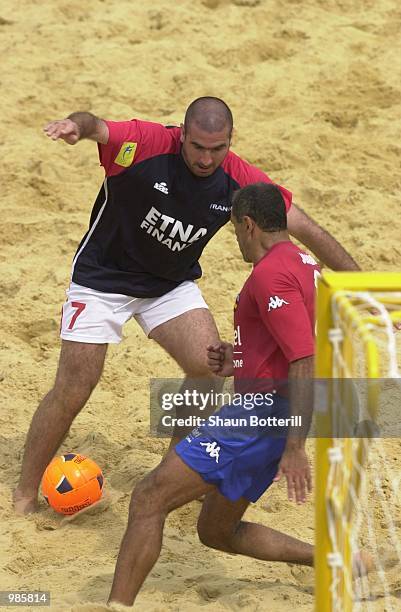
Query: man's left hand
[{"x": 294, "y": 465}]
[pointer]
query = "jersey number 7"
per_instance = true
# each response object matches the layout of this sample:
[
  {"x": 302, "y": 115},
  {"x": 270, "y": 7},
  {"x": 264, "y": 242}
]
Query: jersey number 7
[{"x": 80, "y": 307}]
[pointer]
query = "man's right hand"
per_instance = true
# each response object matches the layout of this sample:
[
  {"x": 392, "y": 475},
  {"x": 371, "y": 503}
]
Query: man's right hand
[
  {"x": 65, "y": 129},
  {"x": 220, "y": 358}
]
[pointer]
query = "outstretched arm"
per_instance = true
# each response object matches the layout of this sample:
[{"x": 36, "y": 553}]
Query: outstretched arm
[
  {"x": 78, "y": 126},
  {"x": 294, "y": 464},
  {"x": 319, "y": 241}
]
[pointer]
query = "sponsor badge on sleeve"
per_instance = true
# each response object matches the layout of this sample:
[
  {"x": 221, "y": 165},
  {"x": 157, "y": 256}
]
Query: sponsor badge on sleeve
[{"x": 126, "y": 154}]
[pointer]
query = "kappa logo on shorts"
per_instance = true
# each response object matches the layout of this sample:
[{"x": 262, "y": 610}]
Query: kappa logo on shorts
[
  {"x": 126, "y": 154},
  {"x": 276, "y": 302},
  {"x": 212, "y": 449}
]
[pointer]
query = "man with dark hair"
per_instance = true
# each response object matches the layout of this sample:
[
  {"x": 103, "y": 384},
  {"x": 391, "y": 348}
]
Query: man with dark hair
[
  {"x": 210, "y": 115},
  {"x": 264, "y": 204},
  {"x": 235, "y": 456},
  {"x": 166, "y": 193}
]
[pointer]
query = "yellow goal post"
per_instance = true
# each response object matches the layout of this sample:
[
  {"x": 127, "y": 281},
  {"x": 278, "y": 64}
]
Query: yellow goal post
[{"x": 356, "y": 313}]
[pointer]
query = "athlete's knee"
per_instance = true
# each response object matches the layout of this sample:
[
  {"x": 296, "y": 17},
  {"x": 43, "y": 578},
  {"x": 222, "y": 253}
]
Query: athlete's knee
[
  {"x": 79, "y": 370},
  {"x": 213, "y": 535},
  {"x": 69, "y": 401},
  {"x": 71, "y": 392},
  {"x": 148, "y": 497},
  {"x": 197, "y": 366},
  {"x": 72, "y": 388},
  {"x": 198, "y": 369}
]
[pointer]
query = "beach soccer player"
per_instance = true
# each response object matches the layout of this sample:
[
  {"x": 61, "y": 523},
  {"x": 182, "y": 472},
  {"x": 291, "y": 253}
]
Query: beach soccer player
[
  {"x": 167, "y": 191},
  {"x": 229, "y": 460}
]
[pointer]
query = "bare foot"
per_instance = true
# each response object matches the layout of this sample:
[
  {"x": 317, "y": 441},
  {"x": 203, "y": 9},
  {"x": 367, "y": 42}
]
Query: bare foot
[
  {"x": 362, "y": 564},
  {"x": 23, "y": 504}
]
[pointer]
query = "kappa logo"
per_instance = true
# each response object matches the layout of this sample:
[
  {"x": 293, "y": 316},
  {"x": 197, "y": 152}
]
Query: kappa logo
[
  {"x": 276, "y": 302},
  {"x": 212, "y": 449},
  {"x": 161, "y": 187},
  {"x": 307, "y": 259}
]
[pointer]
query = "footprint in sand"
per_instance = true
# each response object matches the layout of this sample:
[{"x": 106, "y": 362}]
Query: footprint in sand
[
  {"x": 206, "y": 589},
  {"x": 214, "y": 4},
  {"x": 305, "y": 576},
  {"x": 49, "y": 520},
  {"x": 250, "y": 3},
  {"x": 94, "y": 607}
]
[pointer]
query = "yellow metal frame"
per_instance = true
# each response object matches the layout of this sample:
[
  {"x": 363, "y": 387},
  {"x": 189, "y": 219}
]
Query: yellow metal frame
[{"x": 328, "y": 284}]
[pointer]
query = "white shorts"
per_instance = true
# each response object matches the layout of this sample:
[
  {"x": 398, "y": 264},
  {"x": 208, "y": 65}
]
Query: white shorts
[{"x": 96, "y": 317}]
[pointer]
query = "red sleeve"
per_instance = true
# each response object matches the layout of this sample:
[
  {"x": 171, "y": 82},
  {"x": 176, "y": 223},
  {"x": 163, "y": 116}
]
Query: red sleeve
[
  {"x": 246, "y": 174},
  {"x": 283, "y": 311},
  {"x": 133, "y": 141},
  {"x": 124, "y": 137}
]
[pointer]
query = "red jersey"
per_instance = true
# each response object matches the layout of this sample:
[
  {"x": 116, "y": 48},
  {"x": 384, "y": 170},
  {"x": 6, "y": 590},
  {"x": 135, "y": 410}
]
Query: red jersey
[{"x": 274, "y": 314}]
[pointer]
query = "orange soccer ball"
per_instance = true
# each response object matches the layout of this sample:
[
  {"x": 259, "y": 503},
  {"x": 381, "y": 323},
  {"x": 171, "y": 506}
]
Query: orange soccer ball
[{"x": 72, "y": 482}]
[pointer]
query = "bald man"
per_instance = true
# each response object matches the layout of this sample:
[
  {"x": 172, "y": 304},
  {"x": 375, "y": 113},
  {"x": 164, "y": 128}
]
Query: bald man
[{"x": 166, "y": 192}]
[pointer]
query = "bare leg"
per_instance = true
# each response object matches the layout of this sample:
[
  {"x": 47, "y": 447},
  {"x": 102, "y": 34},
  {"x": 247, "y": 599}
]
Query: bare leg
[
  {"x": 171, "y": 485},
  {"x": 220, "y": 526},
  {"x": 79, "y": 370},
  {"x": 185, "y": 338}
]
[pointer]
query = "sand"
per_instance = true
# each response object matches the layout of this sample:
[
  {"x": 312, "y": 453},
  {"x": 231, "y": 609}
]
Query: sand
[{"x": 314, "y": 86}]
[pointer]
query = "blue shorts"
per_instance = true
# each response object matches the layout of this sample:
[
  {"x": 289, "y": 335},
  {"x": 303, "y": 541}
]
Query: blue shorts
[{"x": 239, "y": 461}]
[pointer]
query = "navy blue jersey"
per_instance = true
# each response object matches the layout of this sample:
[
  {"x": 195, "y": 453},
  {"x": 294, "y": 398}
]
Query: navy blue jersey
[{"x": 153, "y": 217}]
